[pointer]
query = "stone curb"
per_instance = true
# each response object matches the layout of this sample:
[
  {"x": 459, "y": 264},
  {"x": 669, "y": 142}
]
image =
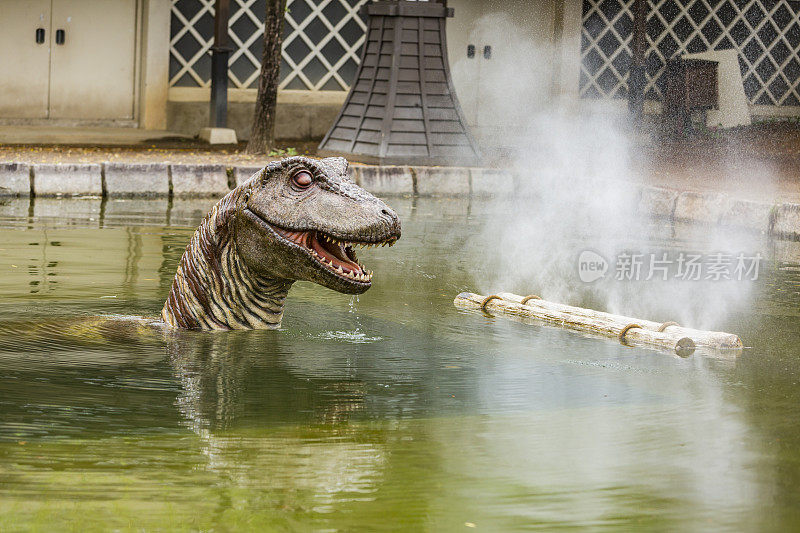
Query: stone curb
[
  {"x": 188, "y": 180},
  {"x": 67, "y": 180},
  {"x": 159, "y": 179},
  {"x": 15, "y": 179},
  {"x": 719, "y": 209},
  {"x": 442, "y": 181},
  {"x": 491, "y": 182},
  {"x": 244, "y": 173},
  {"x": 384, "y": 180},
  {"x": 785, "y": 220},
  {"x": 136, "y": 179},
  {"x": 700, "y": 207},
  {"x": 199, "y": 180}
]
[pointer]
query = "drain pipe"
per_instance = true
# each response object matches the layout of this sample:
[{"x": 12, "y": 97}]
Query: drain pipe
[
  {"x": 217, "y": 131},
  {"x": 637, "y": 76}
]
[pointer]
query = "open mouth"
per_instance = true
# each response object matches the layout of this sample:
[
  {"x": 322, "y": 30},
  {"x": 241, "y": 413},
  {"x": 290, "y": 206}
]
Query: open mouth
[{"x": 336, "y": 256}]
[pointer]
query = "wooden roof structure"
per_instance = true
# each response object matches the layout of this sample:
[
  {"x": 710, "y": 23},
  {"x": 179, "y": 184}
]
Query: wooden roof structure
[{"x": 402, "y": 107}]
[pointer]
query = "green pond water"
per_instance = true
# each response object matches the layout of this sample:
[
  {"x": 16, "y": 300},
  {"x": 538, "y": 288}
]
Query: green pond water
[{"x": 390, "y": 411}]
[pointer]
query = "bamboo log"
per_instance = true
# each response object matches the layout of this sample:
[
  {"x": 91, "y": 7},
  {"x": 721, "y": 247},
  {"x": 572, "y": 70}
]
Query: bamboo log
[{"x": 667, "y": 336}]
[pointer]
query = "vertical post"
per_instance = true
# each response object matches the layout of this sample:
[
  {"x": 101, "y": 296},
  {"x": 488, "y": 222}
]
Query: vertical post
[
  {"x": 636, "y": 77},
  {"x": 218, "y": 110},
  {"x": 558, "y": 36}
]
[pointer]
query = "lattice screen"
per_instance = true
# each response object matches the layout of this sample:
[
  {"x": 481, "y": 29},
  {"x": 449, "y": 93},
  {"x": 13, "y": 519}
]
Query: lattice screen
[
  {"x": 321, "y": 46},
  {"x": 766, "y": 35}
]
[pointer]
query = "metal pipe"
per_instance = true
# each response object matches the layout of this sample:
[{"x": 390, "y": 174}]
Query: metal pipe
[
  {"x": 637, "y": 75},
  {"x": 220, "y": 52}
]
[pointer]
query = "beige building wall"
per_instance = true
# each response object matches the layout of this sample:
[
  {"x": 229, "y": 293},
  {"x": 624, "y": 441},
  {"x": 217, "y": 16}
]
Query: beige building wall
[
  {"x": 84, "y": 62},
  {"x": 155, "y": 64},
  {"x": 535, "y": 58}
]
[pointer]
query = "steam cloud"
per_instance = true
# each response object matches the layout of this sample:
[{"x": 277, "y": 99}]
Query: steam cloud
[{"x": 577, "y": 165}]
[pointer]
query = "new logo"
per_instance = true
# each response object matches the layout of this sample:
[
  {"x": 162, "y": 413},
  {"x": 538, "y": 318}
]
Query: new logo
[{"x": 591, "y": 266}]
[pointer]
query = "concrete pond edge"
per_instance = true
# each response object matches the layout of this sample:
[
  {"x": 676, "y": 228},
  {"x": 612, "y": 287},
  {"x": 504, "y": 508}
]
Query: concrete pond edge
[{"x": 113, "y": 179}]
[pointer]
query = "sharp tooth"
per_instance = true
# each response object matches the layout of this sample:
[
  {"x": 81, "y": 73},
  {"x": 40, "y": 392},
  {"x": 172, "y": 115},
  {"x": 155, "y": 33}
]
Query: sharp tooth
[{"x": 339, "y": 270}]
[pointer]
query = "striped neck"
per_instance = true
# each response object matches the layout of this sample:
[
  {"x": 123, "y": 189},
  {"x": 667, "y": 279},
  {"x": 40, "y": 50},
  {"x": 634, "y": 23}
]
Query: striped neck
[{"x": 213, "y": 287}]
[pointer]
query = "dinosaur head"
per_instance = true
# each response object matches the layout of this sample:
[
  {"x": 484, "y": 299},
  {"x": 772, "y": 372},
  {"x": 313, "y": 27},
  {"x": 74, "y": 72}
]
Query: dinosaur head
[{"x": 302, "y": 219}]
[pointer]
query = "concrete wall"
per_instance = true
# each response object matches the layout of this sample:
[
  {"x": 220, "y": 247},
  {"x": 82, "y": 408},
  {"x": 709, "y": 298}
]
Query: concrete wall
[
  {"x": 295, "y": 120},
  {"x": 154, "y": 82}
]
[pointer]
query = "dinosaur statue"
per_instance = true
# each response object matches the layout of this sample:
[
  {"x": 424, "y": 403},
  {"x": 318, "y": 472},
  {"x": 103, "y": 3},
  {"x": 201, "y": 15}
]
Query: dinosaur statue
[{"x": 296, "y": 219}]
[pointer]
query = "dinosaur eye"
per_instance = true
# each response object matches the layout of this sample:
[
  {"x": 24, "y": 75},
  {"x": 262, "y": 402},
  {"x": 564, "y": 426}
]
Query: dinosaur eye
[{"x": 303, "y": 179}]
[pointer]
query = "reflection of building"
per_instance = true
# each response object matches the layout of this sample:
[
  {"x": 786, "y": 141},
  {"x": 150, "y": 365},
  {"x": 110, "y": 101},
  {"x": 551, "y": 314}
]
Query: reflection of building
[{"x": 147, "y": 62}]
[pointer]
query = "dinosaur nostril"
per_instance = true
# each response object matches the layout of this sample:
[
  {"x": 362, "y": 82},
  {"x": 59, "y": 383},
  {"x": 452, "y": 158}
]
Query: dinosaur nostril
[{"x": 386, "y": 212}]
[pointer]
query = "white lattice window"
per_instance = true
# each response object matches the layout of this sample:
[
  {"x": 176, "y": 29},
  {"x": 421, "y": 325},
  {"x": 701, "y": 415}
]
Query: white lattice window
[
  {"x": 321, "y": 45},
  {"x": 766, "y": 34}
]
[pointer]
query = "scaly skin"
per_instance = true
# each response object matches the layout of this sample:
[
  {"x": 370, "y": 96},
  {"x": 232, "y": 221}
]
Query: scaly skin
[{"x": 297, "y": 219}]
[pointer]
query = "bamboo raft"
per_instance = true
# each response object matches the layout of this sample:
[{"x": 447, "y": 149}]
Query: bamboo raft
[{"x": 668, "y": 336}]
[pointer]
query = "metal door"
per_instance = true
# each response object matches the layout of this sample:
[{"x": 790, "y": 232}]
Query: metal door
[
  {"x": 24, "y": 58},
  {"x": 92, "y": 61},
  {"x": 462, "y": 50},
  {"x": 505, "y": 71}
]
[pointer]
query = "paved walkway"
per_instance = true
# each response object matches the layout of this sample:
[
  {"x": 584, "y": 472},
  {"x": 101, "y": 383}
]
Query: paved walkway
[
  {"x": 164, "y": 150},
  {"x": 759, "y": 163},
  {"x": 82, "y": 135}
]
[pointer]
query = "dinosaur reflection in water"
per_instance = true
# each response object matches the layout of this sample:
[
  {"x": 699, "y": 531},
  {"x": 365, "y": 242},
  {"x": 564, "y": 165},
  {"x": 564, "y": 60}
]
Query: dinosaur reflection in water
[{"x": 244, "y": 404}]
